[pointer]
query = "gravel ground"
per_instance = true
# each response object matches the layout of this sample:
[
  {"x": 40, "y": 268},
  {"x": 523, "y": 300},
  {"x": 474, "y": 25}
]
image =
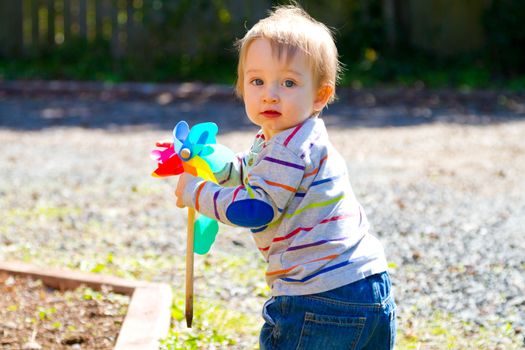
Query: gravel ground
[{"x": 440, "y": 176}]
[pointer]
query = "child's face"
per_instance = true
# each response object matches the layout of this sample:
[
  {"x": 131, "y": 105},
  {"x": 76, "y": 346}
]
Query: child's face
[{"x": 279, "y": 93}]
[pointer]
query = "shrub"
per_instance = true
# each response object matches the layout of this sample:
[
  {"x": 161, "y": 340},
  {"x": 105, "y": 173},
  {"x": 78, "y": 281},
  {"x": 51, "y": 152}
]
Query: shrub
[{"x": 503, "y": 22}]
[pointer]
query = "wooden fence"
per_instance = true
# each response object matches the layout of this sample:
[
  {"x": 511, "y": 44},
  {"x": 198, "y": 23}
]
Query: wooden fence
[
  {"x": 187, "y": 27},
  {"x": 31, "y": 26}
]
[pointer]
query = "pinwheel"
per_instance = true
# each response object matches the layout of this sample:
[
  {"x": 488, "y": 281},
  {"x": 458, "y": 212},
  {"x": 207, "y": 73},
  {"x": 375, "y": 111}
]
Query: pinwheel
[{"x": 193, "y": 151}]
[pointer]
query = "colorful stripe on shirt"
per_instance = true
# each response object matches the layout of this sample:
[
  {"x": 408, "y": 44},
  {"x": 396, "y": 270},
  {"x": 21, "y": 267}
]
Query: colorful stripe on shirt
[
  {"x": 316, "y": 170},
  {"x": 316, "y": 183},
  {"x": 199, "y": 190},
  {"x": 236, "y": 192},
  {"x": 305, "y": 229},
  {"x": 314, "y": 205},
  {"x": 229, "y": 175},
  {"x": 290, "y": 137},
  {"x": 283, "y": 271},
  {"x": 282, "y": 162},
  {"x": 322, "y": 181},
  {"x": 215, "y": 196},
  {"x": 283, "y": 186},
  {"x": 312, "y": 143},
  {"x": 320, "y": 272},
  {"x": 321, "y": 242}
]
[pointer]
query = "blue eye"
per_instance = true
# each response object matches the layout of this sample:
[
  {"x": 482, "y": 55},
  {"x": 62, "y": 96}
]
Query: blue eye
[
  {"x": 289, "y": 83},
  {"x": 256, "y": 82}
]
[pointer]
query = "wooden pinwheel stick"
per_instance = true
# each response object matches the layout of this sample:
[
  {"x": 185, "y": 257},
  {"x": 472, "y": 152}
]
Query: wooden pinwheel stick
[
  {"x": 185, "y": 153},
  {"x": 189, "y": 268}
]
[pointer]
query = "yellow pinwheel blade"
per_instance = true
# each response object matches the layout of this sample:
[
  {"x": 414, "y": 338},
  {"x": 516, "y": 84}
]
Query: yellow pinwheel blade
[{"x": 202, "y": 168}]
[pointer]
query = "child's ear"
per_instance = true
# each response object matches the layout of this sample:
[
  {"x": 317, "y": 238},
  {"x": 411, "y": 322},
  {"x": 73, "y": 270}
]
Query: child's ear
[{"x": 324, "y": 93}]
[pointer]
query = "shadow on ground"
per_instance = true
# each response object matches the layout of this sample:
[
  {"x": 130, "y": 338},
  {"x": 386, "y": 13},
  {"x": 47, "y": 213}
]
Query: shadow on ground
[{"x": 36, "y": 109}]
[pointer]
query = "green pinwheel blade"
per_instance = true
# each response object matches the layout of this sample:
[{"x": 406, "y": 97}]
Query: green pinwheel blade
[
  {"x": 205, "y": 231},
  {"x": 217, "y": 156}
]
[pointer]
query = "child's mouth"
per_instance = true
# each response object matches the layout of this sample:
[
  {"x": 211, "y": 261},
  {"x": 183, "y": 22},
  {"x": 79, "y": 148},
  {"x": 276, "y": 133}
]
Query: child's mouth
[{"x": 271, "y": 114}]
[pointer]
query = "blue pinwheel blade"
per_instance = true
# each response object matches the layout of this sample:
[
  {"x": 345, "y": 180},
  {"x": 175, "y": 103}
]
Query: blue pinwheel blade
[
  {"x": 180, "y": 134},
  {"x": 202, "y": 134},
  {"x": 217, "y": 156}
]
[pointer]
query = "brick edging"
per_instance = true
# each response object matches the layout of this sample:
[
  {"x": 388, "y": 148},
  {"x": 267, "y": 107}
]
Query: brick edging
[{"x": 149, "y": 312}]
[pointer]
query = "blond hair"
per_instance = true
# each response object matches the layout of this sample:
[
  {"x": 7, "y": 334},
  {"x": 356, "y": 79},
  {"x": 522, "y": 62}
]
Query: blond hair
[{"x": 289, "y": 29}]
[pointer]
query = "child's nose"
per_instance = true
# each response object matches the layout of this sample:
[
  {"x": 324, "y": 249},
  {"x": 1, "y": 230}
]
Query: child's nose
[{"x": 271, "y": 96}]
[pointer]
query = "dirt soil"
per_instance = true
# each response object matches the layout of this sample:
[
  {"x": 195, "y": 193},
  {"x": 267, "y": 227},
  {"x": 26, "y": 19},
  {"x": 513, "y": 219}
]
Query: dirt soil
[{"x": 35, "y": 316}]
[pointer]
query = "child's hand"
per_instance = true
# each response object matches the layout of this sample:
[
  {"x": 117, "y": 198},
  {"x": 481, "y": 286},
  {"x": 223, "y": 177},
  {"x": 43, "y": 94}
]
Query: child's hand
[{"x": 181, "y": 185}]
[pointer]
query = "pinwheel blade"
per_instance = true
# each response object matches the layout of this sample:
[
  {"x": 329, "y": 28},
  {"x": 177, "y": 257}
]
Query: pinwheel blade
[
  {"x": 162, "y": 155},
  {"x": 200, "y": 169},
  {"x": 202, "y": 134},
  {"x": 156, "y": 154},
  {"x": 205, "y": 231},
  {"x": 217, "y": 156},
  {"x": 169, "y": 167},
  {"x": 180, "y": 134}
]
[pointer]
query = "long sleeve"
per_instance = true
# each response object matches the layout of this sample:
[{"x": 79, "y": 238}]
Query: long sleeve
[
  {"x": 270, "y": 184},
  {"x": 294, "y": 195}
]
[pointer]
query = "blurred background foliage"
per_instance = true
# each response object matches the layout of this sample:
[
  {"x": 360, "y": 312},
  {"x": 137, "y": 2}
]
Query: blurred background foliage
[{"x": 435, "y": 43}]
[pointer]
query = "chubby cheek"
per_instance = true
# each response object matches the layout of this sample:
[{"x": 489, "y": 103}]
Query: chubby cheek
[
  {"x": 250, "y": 104},
  {"x": 296, "y": 108},
  {"x": 248, "y": 110}
]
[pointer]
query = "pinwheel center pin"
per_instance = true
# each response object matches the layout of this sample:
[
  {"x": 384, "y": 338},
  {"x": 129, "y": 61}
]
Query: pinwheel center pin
[{"x": 185, "y": 153}]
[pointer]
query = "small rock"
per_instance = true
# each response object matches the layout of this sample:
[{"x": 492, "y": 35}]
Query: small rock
[
  {"x": 416, "y": 255},
  {"x": 10, "y": 325},
  {"x": 238, "y": 243},
  {"x": 9, "y": 281},
  {"x": 73, "y": 339},
  {"x": 31, "y": 345}
]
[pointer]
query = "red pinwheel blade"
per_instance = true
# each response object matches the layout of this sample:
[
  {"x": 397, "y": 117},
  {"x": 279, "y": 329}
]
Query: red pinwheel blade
[
  {"x": 164, "y": 144},
  {"x": 169, "y": 167}
]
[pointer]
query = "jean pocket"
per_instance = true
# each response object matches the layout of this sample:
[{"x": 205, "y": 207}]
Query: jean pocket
[
  {"x": 265, "y": 314},
  {"x": 330, "y": 332},
  {"x": 393, "y": 327}
]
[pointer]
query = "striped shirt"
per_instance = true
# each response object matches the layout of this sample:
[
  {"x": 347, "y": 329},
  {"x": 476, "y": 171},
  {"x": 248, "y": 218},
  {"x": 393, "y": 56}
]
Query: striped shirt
[{"x": 293, "y": 193}]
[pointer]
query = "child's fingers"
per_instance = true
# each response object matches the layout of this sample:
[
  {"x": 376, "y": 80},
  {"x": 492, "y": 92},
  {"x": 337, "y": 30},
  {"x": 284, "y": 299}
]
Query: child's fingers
[
  {"x": 179, "y": 203},
  {"x": 178, "y": 194}
]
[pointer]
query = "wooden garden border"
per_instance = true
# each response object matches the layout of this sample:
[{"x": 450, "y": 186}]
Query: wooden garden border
[{"x": 149, "y": 312}]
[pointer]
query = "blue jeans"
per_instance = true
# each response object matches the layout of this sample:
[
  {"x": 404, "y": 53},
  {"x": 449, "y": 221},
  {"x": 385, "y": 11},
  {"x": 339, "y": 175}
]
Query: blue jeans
[{"x": 359, "y": 315}]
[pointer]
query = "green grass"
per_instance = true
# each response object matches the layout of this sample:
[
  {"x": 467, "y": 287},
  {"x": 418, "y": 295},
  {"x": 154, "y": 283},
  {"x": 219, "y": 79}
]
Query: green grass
[
  {"x": 215, "y": 325},
  {"x": 445, "y": 331},
  {"x": 423, "y": 70},
  {"x": 86, "y": 68},
  {"x": 371, "y": 70},
  {"x": 218, "y": 326},
  {"x": 244, "y": 271}
]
